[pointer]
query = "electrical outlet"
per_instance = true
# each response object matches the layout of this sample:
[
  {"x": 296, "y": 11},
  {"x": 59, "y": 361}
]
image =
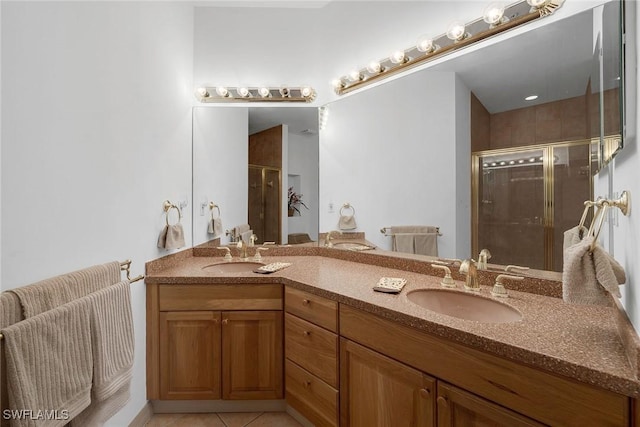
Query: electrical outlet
[{"x": 331, "y": 207}]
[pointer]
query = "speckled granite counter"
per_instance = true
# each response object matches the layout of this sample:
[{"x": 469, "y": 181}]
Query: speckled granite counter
[{"x": 580, "y": 342}]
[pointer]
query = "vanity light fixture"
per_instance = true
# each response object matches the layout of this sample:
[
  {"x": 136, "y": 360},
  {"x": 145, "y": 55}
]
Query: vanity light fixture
[
  {"x": 255, "y": 94},
  {"x": 496, "y": 19},
  {"x": 531, "y": 97}
]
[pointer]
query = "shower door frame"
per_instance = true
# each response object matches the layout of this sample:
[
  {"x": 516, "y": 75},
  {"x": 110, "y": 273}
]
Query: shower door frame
[{"x": 548, "y": 195}]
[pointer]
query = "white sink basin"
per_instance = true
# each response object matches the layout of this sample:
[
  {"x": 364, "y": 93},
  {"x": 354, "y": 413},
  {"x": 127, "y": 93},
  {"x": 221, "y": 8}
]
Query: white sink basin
[
  {"x": 464, "y": 306},
  {"x": 352, "y": 246},
  {"x": 233, "y": 267}
]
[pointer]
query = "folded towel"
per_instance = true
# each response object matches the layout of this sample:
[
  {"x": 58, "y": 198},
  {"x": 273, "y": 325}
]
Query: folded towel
[
  {"x": 215, "y": 227},
  {"x": 403, "y": 242},
  {"x": 10, "y": 309},
  {"x": 171, "y": 237},
  {"x": 49, "y": 363},
  {"x": 56, "y": 291},
  {"x": 426, "y": 244},
  {"x": 588, "y": 276},
  {"x": 112, "y": 346},
  {"x": 347, "y": 222},
  {"x": 573, "y": 236}
]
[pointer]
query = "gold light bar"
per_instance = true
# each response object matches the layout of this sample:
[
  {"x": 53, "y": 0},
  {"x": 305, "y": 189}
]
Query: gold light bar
[
  {"x": 255, "y": 94},
  {"x": 456, "y": 38}
]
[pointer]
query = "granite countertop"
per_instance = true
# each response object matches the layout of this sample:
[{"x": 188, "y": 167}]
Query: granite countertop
[{"x": 577, "y": 341}]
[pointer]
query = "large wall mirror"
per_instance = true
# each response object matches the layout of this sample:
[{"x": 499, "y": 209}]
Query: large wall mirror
[{"x": 421, "y": 149}]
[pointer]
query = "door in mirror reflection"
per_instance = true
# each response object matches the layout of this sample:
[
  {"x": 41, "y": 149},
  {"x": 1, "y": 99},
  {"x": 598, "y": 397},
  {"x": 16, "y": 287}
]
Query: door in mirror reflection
[{"x": 525, "y": 199}]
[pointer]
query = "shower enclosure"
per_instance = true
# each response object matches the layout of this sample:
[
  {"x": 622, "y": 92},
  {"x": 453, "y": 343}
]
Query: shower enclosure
[{"x": 525, "y": 198}]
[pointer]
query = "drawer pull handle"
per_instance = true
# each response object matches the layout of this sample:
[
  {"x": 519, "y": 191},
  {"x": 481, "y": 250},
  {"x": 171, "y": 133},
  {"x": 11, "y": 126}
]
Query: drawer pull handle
[
  {"x": 305, "y": 302},
  {"x": 306, "y": 333},
  {"x": 425, "y": 393},
  {"x": 442, "y": 402},
  {"x": 306, "y": 384},
  {"x": 225, "y": 321}
]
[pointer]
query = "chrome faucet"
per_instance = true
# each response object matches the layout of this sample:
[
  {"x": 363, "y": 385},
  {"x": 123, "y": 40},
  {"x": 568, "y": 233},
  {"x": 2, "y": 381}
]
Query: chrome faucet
[
  {"x": 470, "y": 269},
  {"x": 328, "y": 236}
]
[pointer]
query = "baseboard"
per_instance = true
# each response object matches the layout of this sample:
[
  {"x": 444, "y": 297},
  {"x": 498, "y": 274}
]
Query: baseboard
[
  {"x": 299, "y": 417},
  {"x": 143, "y": 416},
  {"x": 204, "y": 406}
]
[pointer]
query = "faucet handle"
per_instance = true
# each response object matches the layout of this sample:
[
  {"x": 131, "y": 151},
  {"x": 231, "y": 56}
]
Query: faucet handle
[
  {"x": 510, "y": 268},
  {"x": 227, "y": 256},
  {"x": 499, "y": 289},
  {"x": 447, "y": 280},
  {"x": 257, "y": 257},
  {"x": 483, "y": 257}
]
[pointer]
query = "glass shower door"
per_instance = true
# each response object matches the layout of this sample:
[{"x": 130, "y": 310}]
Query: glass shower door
[{"x": 509, "y": 217}]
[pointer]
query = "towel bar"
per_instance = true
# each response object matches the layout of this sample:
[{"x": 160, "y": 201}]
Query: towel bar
[
  {"x": 387, "y": 231},
  {"x": 124, "y": 266}
]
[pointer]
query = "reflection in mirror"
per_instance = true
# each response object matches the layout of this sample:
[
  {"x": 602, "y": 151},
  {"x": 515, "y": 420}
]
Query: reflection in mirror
[
  {"x": 244, "y": 161},
  {"x": 401, "y": 152}
]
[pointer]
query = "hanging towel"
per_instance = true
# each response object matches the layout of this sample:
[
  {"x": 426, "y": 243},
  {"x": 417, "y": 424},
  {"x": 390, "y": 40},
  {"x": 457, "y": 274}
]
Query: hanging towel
[
  {"x": 215, "y": 227},
  {"x": 56, "y": 291},
  {"x": 112, "y": 344},
  {"x": 246, "y": 236},
  {"x": 347, "y": 222},
  {"x": 49, "y": 363},
  {"x": 415, "y": 239},
  {"x": 588, "y": 276},
  {"x": 573, "y": 236},
  {"x": 171, "y": 237},
  {"x": 426, "y": 244}
]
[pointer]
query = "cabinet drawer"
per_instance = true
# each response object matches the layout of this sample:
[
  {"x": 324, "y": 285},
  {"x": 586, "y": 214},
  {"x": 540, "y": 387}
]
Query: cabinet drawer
[
  {"x": 310, "y": 396},
  {"x": 318, "y": 310},
  {"x": 220, "y": 297},
  {"x": 312, "y": 347}
]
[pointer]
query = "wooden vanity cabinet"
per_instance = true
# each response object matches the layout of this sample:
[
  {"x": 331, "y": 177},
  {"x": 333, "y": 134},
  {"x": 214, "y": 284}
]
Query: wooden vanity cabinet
[
  {"x": 311, "y": 351},
  {"x": 209, "y": 342}
]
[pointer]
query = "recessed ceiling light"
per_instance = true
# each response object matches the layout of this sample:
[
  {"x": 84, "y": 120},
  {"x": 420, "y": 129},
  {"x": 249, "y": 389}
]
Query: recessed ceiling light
[{"x": 531, "y": 97}]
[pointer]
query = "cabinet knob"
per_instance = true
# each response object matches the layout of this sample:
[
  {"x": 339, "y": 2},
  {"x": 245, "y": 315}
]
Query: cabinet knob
[
  {"x": 305, "y": 302},
  {"x": 442, "y": 402},
  {"x": 225, "y": 321},
  {"x": 306, "y": 333},
  {"x": 425, "y": 393},
  {"x": 306, "y": 384}
]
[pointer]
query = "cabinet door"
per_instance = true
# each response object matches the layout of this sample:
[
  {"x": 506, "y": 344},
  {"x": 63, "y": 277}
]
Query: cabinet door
[
  {"x": 252, "y": 355},
  {"x": 378, "y": 391},
  {"x": 190, "y": 355},
  {"x": 459, "y": 408}
]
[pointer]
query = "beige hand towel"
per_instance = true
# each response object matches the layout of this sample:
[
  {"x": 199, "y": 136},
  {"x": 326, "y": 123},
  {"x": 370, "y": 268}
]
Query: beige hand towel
[
  {"x": 49, "y": 363},
  {"x": 171, "y": 237},
  {"x": 347, "y": 222},
  {"x": 426, "y": 244},
  {"x": 587, "y": 277},
  {"x": 112, "y": 344},
  {"x": 413, "y": 229},
  {"x": 215, "y": 227},
  {"x": 56, "y": 291},
  {"x": 573, "y": 236},
  {"x": 403, "y": 242}
]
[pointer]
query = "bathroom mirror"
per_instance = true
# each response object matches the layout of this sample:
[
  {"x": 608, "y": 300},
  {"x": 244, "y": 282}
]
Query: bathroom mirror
[{"x": 247, "y": 161}]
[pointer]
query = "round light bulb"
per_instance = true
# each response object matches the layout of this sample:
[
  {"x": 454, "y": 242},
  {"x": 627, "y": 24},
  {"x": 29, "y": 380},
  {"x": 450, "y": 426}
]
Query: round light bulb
[
  {"x": 202, "y": 91},
  {"x": 355, "y": 76},
  {"x": 284, "y": 91},
  {"x": 306, "y": 92},
  {"x": 538, "y": 4},
  {"x": 456, "y": 31},
  {"x": 374, "y": 67},
  {"x": 521, "y": 161},
  {"x": 264, "y": 92},
  {"x": 425, "y": 44},
  {"x": 494, "y": 164},
  {"x": 512, "y": 162},
  {"x": 503, "y": 163},
  {"x": 493, "y": 14},
  {"x": 222, "y": 91},
  {"x": 531, "y": 160},
  {"x": 244, "y": 92},
  {"x": 337, "y": 83},
  {"x": 397, "y": 57},
  {"x": 485, "y": 165}
]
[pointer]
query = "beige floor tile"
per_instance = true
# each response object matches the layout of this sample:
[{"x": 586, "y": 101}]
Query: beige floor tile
[
  {"x": 163, "y": 420},
  {"x": 238, "y": 419},
  {"x": 274, "y": 419},
  {"x": 198, "y": 420}
]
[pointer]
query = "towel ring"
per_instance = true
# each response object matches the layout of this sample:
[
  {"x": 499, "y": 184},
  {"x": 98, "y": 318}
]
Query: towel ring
[
  {"x": 347, "y": 206},
  {"x": 167, "y": 207},
  {"x": 603, "y": 210},
  {"x": 213, "y": 206},
  {"x": 587, "y": 205}
]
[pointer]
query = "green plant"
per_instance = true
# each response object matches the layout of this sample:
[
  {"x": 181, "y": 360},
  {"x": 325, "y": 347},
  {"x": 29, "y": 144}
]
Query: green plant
[{"x": 295, "y": 200}]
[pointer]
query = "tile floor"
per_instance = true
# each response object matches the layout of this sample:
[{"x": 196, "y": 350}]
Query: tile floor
[{"x": 224, "y": 419}]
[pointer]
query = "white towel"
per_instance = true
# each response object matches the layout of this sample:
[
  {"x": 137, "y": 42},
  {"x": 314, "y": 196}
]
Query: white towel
[
  {"x": 112, "y": 345},
  {"x": 215, "y": 227},
  {"x": 49, "y": 363},
  {"x": 588, "y": 276},
  {"x": 347, "y": 222}
]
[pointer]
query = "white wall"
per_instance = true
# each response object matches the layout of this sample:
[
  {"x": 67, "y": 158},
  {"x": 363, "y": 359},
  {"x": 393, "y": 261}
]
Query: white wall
[
  {"x": 96, "y": 114},
  {"x": 462, "y": 175},
  {"x": 303, "y": 161},
  {"x": 220, "y": 158},
  {"x": 391, "y": 153}
]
